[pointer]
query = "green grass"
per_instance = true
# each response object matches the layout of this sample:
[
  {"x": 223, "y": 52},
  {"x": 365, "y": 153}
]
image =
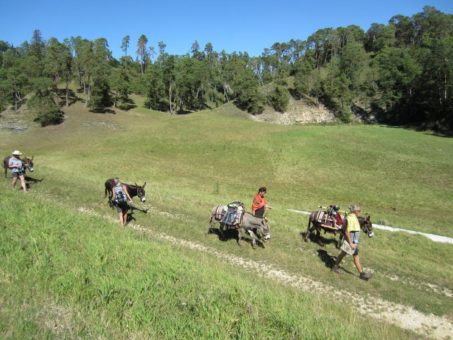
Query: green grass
[
  {"x": 64, "y": 274},
  {"x": 193, "y": 162}
]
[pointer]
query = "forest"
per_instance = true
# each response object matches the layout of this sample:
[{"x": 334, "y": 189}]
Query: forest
[{"x": 400, "y": 73}]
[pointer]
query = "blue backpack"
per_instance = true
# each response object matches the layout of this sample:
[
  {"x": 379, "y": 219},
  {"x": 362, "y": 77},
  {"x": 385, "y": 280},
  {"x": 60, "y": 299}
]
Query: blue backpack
[{"x": 120, "y": 196}]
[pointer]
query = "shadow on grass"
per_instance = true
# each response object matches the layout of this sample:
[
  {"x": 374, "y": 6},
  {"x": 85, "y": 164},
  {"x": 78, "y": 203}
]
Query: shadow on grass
[
  {"x": 325, "y": 257},
  {"x": 329, "y": 260},
  {"x": 30, "y": 181},
  {"x": 229, "y": 234},
  {"x": 424, "y": 130},
  {"x": 320, "y": 240},
  {"x": 103, "y": 110},
  {"x": 130, "y": 215},
  {"x": 72, "y": 97},
  {"x": 232, "y": 234}
]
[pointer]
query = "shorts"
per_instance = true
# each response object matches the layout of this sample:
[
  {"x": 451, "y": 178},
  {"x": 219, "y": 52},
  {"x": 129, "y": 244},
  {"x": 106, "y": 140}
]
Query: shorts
[
  {"x": 121, "y": 207},
  {"x": 17, "y": 174},
  {"x": 259, "y": 212},
  {"x": 355, "y": 237}
]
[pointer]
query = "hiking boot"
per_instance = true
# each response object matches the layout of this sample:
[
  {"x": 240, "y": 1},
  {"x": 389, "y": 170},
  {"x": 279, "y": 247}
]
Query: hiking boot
[
  {"x": 365, "y": 276},
  {"x": 335, "y": 269}
]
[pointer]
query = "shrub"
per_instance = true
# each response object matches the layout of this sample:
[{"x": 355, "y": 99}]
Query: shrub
[
  {"x": 279, "y": 99},
  {"x": 47, "y": 112}
]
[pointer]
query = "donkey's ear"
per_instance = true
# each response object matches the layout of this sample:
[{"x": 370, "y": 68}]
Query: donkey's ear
[
  {"x": 144, "y": 185},
  {"x": 32, "y": 157},
  {"x": 368, "y": 217}
]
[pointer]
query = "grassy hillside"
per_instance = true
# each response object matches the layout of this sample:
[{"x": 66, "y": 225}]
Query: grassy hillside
[
  {"x": 64, "y": 274},
  {"x": 194, "y": 162}
]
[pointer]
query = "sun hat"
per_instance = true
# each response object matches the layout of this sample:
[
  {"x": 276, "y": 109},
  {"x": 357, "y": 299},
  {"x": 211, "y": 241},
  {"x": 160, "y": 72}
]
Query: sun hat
[
  {"x": 354, "y": 207},
  {"x": 16, "y": 153}
]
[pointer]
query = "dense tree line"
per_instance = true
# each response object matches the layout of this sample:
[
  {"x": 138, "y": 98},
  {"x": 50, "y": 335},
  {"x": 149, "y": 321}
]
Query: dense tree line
[{"x": 399, "y": 73}]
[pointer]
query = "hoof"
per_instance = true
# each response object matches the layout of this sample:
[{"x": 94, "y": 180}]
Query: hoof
[{"x": 335, "y": 269}]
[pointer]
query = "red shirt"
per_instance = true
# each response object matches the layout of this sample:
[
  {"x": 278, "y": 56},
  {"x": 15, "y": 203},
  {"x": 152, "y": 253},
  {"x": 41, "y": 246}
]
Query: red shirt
[
  {"x": 258, "y": 202},
  {"x": 338, "y": 219}
]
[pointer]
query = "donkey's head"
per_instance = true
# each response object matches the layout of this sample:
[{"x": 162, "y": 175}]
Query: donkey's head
[
  {"x": 28, "y": 163},
  {"x": 366, "y": 225},
  {"x": 141, "y": 192},
  {"x": 264, "y": 231}
]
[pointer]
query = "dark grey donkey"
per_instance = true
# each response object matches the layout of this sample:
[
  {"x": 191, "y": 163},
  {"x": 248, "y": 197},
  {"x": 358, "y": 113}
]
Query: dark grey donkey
[{"x": 257, "y": 228}]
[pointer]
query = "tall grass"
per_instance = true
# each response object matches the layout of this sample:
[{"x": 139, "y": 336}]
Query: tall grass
[
  {"x": 63, "y": 274},
  {"x": 193, "y": 162}
]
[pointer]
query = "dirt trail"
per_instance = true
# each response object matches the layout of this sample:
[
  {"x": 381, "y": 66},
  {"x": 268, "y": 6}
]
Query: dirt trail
[{"x": 402, "y": 316}]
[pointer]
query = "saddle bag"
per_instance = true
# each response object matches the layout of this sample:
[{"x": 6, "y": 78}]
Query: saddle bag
[
  {"x": 220, "y": 212},
  {"x": 234, "y": 213},
  {"x": 322, "y": 217},
  {"x": 326, "y": 220}
]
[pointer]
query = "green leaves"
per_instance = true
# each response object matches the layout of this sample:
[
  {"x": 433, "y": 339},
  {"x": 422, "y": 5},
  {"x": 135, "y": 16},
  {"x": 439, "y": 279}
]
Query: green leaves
[
  {"x": 399, "y": 73},
  {"x": 279, "y": 99}
]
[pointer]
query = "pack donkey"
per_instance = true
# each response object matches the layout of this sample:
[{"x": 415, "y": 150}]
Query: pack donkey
[
  {"x": 320, "y": 220},
  {"x": 132, "y": 189},
  {"x": 27, "y": 162},
  {"x": 257, "y": 228}
]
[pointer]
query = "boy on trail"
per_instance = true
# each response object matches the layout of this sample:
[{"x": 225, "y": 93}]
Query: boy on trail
[
  {"x": 120, "y": 200},
  {"x": 352, "y": 235},
  {"x": 259, "y": 204},
  {"x": 17, "y": 168}
]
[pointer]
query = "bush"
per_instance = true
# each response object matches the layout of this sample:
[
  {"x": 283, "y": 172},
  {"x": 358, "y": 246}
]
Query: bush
[
  {"x": 251, "y": 100},
  {"x": 100, "y": 96},
  {"x": 279, "y": 99},
  {"x": 47, "y": 112}
]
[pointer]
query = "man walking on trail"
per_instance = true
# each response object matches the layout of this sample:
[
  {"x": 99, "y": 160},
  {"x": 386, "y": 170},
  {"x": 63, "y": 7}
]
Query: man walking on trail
[
  {"x": 259, "y": 204},
  {"x": 352, "y": 235},
  {"x": 17, "y": 168}
]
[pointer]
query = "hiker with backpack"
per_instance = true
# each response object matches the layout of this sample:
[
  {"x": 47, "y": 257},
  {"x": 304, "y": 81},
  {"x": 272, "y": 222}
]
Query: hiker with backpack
[
  {"x": 120, "y": 200},
  {"x": 259, "y": 204},
  {"x": 16, "y": 165}
]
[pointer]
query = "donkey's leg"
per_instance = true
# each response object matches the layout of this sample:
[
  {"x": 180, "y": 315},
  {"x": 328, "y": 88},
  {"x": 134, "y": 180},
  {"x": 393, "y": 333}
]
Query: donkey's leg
[
  {"x": 222, "y": 231},
  {"x": 210, "y": 226},
  {"x": 307, "y": 233},
  {"x": 240, "y": 234},
  {"x": 340, "y": 239},
  {"x": 318, "y": 236},
  {"x": 253, "y": 237}
]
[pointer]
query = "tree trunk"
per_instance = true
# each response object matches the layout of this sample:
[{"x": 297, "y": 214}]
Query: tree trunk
[
  {"x": 67, "y": 93},
  {"x": 170, "y": 99},
  {"x": 89, "y": 95},
  {"x": 80, "y": 78}
]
